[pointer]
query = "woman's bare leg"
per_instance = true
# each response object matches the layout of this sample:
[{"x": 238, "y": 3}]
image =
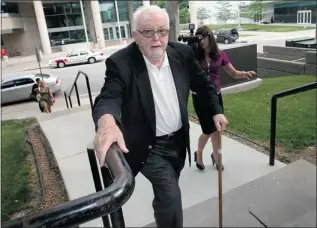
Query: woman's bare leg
[
  {"x": 202, "y": 141},
  {"x": 45, "y": 108},
  {"x": 214, "y": 141}
]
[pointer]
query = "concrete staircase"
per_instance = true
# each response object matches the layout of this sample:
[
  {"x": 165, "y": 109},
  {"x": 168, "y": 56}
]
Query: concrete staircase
[
  {"x": 254, "y": 193},
  {"x": 284, "y": 198},
  {"x": 69, "y": 131}
]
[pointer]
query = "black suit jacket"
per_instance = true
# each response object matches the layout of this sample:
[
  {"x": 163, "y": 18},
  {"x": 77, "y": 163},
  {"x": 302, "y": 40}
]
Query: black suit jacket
[{"x": 127, "y": 95}]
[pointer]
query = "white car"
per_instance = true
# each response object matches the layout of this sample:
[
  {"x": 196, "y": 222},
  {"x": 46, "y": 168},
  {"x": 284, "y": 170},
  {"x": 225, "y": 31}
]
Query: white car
[
  {"x": 18, "y": 87},
  {"x": 78, "y": 56}
]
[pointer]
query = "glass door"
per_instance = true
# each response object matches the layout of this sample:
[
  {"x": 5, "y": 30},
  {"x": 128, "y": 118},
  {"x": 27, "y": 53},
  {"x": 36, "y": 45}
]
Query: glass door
[{"x": 304, "y": 17}]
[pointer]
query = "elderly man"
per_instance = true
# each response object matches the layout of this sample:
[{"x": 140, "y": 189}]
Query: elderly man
[{"x": 143, "y": 107}]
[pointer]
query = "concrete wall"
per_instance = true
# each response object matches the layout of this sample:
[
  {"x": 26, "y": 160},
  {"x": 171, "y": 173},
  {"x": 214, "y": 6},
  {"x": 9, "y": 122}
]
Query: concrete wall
[
  {"x": 24, "y": 40},
  {"x": 10, "y": 22},
  {"x": 310, "y": 62},
  {"x": 247, "y": 62},
  {"x": 283, "y": 61},
  {"x": 286, "y": 51}
]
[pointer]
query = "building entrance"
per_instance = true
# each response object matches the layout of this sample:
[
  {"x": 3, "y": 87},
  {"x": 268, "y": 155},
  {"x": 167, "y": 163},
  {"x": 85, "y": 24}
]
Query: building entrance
[{"x": 304, "y": 16}]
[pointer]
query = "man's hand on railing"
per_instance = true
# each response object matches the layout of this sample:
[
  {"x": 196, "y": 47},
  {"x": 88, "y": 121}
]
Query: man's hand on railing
[{"x": 107, "y": 134}]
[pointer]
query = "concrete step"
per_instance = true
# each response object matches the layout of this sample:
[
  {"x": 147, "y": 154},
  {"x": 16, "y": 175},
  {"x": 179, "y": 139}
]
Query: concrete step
[
  {"x": 283, "y": 198},
  {"x": 62, "y": 112},
  {"x": 69, "y": 135}
]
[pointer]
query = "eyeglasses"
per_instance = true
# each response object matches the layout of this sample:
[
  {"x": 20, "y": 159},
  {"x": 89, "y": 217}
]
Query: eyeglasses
[{"x": 150, "y": 33}]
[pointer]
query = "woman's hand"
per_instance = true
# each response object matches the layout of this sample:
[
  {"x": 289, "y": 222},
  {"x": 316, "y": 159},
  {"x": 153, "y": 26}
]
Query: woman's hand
[{"x": 245, "y": 74}]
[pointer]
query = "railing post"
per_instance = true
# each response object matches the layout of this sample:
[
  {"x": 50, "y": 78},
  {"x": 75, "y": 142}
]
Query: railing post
[
  {"x": 89, "y": 91},
  {"x": 77, "y": 94},
  {"x": 70, "y": 102},
  {"x": 273, "y": 130},
  {"x": 66, "y": 99},
  {"x": 117, "y": 219},
  {"x": 97, "y": 180}
]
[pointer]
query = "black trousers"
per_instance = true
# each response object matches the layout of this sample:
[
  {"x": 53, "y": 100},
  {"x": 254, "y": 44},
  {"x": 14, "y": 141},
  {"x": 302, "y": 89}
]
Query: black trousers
[{"x": 162, "y": 169}]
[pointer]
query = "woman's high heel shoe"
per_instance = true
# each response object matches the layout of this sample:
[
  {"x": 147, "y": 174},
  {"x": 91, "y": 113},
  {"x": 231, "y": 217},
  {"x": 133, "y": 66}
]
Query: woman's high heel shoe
[
  {"x": 214, "y": 161},
  {"x": 199, "y": 166}
]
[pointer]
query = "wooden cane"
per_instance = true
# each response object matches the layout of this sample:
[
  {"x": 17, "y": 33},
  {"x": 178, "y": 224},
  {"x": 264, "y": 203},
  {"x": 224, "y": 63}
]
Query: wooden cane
[{"x": 220, "y": 178}]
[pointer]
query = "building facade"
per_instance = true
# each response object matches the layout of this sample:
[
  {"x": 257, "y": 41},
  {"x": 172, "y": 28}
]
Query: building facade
[
  {"x": 294, "y": 12},
  {"x": 60, "y": 25},
  {"x": 300, "y": 12}
]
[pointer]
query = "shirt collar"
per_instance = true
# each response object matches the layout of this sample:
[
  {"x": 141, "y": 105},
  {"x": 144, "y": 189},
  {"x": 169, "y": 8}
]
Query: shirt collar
[{"x": 164, "y": 64}]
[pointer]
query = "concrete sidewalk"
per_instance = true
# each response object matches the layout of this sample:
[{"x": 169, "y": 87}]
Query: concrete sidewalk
[
  {"x": 264, "y": 36},
  {"x": 30, "y": 108},
  {"x": 71, "y": 130}
]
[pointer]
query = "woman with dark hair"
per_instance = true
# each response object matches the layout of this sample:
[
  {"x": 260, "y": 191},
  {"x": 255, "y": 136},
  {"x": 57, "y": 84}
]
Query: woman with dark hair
[{"x": 211, "y": 59}]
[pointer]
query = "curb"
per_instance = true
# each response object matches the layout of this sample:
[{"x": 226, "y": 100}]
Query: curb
[{"x": 37, "y": 68}]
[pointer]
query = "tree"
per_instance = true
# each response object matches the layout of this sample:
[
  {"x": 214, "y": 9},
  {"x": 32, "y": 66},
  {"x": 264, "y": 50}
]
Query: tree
[
  {"x": 160, "y": 3},
  {"x": 183, "y": 16},
  {"x": 172, "y": 8},
  {"x": 183, "y": 4},
  {"x": 203, "y": 13},
  {"x": 224, "y": 12},
  {"x": 254, "y": 10},
  {"x": 183, "y": 9}
]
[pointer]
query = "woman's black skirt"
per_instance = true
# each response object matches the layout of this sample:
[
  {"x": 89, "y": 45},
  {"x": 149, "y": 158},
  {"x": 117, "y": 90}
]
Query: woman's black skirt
[{"x": 206, "y": 120}]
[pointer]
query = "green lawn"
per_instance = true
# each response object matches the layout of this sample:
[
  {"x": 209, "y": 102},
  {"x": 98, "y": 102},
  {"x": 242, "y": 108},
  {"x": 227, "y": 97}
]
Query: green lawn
[
  {"x": 14, "y": 168},
  {"x": 261, "y": 27},
  {"x": 249, "y": 113}
]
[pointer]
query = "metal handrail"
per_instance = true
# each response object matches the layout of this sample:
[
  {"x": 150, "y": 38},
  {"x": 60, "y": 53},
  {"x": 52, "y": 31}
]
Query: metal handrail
[
  {"x": 74, "y": 85},
  {"x": 273, "y": 114},
  {"x": 89, "y": 207}
]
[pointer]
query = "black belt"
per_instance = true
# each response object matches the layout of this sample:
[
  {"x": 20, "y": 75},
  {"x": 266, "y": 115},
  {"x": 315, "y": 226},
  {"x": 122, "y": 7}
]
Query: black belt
[{"x": 169, "y": 136}]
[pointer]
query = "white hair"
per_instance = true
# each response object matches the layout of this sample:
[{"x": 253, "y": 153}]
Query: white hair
[{"x": 146, "y": 10}]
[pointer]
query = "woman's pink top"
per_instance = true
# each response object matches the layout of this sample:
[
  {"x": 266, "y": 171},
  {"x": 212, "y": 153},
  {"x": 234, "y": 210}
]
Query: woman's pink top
[{"x": 213, "y": 68}]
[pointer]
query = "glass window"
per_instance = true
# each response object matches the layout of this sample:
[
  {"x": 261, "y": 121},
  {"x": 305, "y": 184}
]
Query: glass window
[
  {"x": 73, "y": 54},
  {"x": 117, "y": 33},
  {"x": 107, "y": 11},
  {"x": 83, "y": 53},
  {"x": 129, "y": 30},
  {"x": 106, "y": 33},
  {"x": 111, "y": 33},
  {"x": 122, "y": 32},
  {"x": 62, "y": 15},
  {"x": 67, "y": 37},
  {"x": 9, "y": 7},
  {"x": 23, "y": 81},
  {"x": 123, "y": 10},
  {"x": 7, "y": 84}
]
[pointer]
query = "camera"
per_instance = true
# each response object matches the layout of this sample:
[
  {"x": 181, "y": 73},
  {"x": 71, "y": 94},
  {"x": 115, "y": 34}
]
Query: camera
[{"x": 191, "y": 38}]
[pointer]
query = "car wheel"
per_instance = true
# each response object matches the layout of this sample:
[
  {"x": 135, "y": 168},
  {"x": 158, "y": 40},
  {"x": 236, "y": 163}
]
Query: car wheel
[
  {"x": 226, "y": 41},
  {"x": 61, "y": 64},
  {"x": 91, "y": 60}
]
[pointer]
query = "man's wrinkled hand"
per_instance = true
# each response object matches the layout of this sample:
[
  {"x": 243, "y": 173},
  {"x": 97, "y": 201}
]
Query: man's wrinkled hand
[
  {"x": 221, "y": 122},
  {"x": 105, "y": 137}
]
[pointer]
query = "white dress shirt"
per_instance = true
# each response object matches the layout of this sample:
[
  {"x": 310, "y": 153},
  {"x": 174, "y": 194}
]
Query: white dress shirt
[{"x": 167, "y": 112}]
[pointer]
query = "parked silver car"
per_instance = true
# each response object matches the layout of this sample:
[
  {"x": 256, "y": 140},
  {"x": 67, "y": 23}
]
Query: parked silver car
[{"x": 18, "y": 87}]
